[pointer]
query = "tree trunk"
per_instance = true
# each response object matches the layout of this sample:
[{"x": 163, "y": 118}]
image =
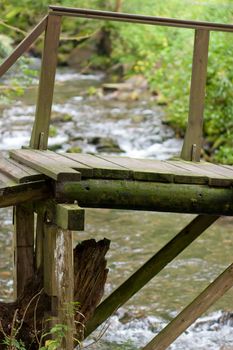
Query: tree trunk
[{"x": 90, "y": 275}]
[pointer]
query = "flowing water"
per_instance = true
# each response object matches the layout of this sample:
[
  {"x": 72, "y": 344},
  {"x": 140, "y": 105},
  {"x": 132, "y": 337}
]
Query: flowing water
[{"x": 84, "y": 118}]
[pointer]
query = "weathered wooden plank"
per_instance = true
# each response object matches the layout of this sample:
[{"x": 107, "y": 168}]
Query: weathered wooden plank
[
  {"x": 85, "y": 170},
  {"x": 155, "y": 170},
  {"x": 191, "y": 149},
  {"x": 16, "y": 194},
  {"x": 201, "y": 304},
  {"x": 35, "y": 175},
  {"x": 149, "y": 270},
  {"x": 59, "y": 278},
  {"x": 214, "y": 178},
  {"x": 17, "y": 172},
  {"x": 152, "y": 196},
  {"x": 46, "y": 166},
  {"x": 23, "y": 245},
  {"x": 40, "y": 132},
  {"x": 101, "y": 168},
  {"x": 23, "y": 46}
]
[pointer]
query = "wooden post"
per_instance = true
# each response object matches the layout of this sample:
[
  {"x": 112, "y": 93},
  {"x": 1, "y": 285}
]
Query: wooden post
[
  {"x": 24, "y": 245},
  {"x": 58, "y": 266},
  {"x": 149, "y": 270},
  {"x": 40, "y": 132},
  {"x": 201, "y": 304},
  {"x": 193, "y": 137}
]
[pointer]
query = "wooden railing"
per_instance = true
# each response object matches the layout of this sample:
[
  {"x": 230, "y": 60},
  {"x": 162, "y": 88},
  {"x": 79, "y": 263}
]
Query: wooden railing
[{"x": 51, "y": 24}]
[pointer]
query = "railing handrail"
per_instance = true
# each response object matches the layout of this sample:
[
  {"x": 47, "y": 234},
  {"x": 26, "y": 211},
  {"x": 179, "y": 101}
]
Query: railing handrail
[
  {"x": 135, "y": 18},
  {"x": 23, "y": 46}
]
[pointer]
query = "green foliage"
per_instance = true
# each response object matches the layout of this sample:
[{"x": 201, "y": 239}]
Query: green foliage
[
  {"x": 57, "y": 333},
  {"x": 163, "y": 55}
]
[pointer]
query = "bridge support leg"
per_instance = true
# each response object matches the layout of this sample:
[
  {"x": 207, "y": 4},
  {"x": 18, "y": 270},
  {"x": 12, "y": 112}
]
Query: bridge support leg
[
  {"x": 58, "y": 279},
  {"x": 149, "y": 270},
  {"x": 23, "y": 246},
  {"x": 58, "y": 264}
]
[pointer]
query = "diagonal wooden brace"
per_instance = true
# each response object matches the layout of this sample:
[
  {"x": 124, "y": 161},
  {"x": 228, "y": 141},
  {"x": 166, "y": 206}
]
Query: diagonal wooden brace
[
  {"x": 197, "y": 307},
  {"x": 149, "y": 270}
]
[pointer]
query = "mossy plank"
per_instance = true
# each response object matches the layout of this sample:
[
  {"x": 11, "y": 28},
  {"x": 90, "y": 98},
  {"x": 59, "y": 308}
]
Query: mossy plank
[
  {"x": 152, "y": 196},
  {"x": 214, "y": 174},
  {"x": 101, "y": 168},
  {"x": 149, "y": 270},
  {"x": 155, "y": 170}
]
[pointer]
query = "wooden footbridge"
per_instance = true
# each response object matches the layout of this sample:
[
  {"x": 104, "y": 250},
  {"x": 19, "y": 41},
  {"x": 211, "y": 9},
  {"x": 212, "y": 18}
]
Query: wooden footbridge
[{"x": 58, "y": 186}]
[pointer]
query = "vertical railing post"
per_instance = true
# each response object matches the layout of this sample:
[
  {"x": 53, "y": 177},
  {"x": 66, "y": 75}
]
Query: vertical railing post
[
  {"x": 40, "y": 132},
  {"x": 191, "y": 149}
]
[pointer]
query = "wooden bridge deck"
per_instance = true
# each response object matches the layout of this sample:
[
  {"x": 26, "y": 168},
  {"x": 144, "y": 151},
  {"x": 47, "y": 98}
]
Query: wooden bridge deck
[{"x": 28, "y": 174}]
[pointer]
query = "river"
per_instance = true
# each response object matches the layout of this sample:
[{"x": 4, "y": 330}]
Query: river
[{"x": 86, "y": 119}]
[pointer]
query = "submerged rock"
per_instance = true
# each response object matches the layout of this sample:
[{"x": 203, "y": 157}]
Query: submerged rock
[{"x": 105, "y": 144}]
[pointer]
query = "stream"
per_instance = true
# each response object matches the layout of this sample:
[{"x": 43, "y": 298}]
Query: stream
[{"x": 86, "y": 119}]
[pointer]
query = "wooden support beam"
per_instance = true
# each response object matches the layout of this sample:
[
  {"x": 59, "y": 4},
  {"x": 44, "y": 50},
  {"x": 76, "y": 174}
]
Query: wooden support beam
[
  {"x": 59, "y": 275},
  {"x": 23, "y": 46},
  {"x": 149, "y": 270},
  {"x": 40, "y": 132},
  {"x": 201, "y": 304},
  {"x": 70, "y": 217},
  {"x": 193, "y": 137},
  {"x": 140, "y": 195},
  {"x": 25, "y": 193},
  {"x": 23, "y": 246}
]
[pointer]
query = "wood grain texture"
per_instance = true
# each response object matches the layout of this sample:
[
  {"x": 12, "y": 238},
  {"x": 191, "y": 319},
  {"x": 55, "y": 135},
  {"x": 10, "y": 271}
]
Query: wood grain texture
[
  {"x": 194, "y": 310},
  {"x": 46, "y": 85},
  {"x": 193, "y": 135},
  {"x": 152, "y": 196},
  {"x": 23, "y": 246},
  {"x": 23, "y": 46}
]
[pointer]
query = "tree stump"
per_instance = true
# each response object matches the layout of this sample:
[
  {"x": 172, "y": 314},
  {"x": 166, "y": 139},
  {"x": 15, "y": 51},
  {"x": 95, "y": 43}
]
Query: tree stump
[{"x": 26, "y": 314}]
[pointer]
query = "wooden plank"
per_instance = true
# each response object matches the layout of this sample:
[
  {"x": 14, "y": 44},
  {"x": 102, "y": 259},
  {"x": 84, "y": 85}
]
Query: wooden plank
[
  {"x": 191, "y": 149},
  {"x": 40, "y": 132},
  {"x": 23, "y": 46},
  {"x": 85, "y": 170},
  {"x": 149, "y": 270},
  {"x": 152, "y": 196},
  {"x": 16, "y": 194},
  {"x": 101, "y": 168},
  {"x": 194, "y": 310},
  {"x": 5, "y": 181},
  {"x": 35, "y": 175},
  {"x": 155, "y": 170},
  {"x": 18, "y": 172},
  {"x": 214, "y": 178},
  {"x": 23, "y": 245},
  {"x": 46, "y": 166}
]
